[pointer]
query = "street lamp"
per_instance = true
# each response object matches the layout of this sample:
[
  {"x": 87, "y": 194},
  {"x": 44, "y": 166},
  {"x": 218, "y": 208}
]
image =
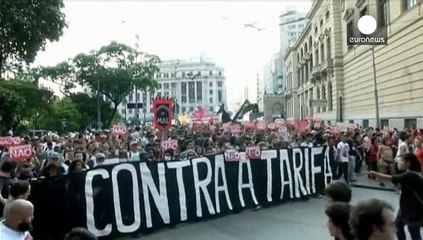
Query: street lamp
[{"x": 375, "y": 88}]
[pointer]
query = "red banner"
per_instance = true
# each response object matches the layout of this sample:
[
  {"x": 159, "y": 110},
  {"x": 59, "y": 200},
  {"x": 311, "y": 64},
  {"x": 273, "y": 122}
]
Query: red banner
[
  {"x": 10, "y": 141},
  {"x": 21, "y": 152},
  {"x": 163, "y": 113}
]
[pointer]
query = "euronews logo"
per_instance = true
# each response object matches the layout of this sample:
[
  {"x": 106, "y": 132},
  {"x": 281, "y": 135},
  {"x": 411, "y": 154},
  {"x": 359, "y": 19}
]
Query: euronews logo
[{"x": 369, "y": 33}]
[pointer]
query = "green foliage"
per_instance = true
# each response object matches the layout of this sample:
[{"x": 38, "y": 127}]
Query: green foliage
[
  {"x": 111, "y": 71},
  {"x": 25, "y": 27},
  {"x": 22, "y": 100},
  {"x": 87, "y": 107},
  {"x": 64, "y": 116}
]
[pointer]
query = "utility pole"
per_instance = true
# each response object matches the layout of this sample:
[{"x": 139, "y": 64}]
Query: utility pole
[
  {"x": 375, "y": 88},
  {"x": 137, "y": 110},
  {"x": 98, "y": 105}
]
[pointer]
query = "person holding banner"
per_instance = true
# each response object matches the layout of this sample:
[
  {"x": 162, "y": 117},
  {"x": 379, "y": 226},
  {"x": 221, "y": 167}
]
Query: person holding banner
[{"x": 7, "y": 168}]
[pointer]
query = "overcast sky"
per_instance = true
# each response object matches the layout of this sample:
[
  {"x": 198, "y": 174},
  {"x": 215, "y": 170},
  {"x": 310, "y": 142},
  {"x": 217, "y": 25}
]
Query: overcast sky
[{"x": 179, "y": 30}]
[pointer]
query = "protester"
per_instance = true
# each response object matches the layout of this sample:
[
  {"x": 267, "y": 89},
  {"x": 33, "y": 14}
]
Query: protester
[
  {"x": 18, "y": 216},
  {"x": 338, "y": 192},
  {"x": 80, "y": 234},
  {"x": 338, "y": 215},
  {"x": 372, "y": 219},
  {"x": 411, "y": 204},
  {"x": 6, "y": 170},
  {"x": 20, "y": 190}
]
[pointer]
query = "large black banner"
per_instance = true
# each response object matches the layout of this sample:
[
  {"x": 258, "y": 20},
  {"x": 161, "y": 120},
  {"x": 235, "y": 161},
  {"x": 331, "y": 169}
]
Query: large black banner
[{"x": 114, "y": 200}]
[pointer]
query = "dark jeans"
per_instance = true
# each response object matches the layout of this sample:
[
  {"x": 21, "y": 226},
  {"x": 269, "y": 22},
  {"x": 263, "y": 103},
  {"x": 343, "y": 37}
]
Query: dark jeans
[
  {"x": 343, "y": 170},
  {"x": 413, "y": 230}
]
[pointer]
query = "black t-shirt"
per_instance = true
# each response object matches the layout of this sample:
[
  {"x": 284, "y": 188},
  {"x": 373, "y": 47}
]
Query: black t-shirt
[
  {"x": 351, "y": 144},
  {"x": 4, "y": 190},
  {"x": 411, "y": 206}
]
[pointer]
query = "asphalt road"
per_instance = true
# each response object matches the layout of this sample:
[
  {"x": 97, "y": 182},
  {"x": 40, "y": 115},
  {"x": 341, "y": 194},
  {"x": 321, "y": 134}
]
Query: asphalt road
[{"x": 299, "y": 220}]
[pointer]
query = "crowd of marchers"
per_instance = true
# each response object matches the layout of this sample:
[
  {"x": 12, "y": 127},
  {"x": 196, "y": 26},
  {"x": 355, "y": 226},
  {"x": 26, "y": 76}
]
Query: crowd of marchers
[{"x": 388, "y": 155}]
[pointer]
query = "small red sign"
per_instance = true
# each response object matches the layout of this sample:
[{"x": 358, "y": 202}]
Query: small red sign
[
  {"x": 10, "y": 141},
  {"x": 170, "y": 144},
  {"x": 253, "y": 153},
  {"x": 21, "y": 152},
  {"x": 119, "y": 129},
  {"x": 232, "y": 155}
]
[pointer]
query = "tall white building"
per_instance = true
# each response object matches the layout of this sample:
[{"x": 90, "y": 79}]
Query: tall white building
[
  {"x": 194, "y": 84},
  {"x": 272, "y": 75},
  {"x": 291, "y": 24}
]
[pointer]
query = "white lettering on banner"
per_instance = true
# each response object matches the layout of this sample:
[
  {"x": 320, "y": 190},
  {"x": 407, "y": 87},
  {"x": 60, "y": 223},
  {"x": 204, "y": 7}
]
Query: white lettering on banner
[
  {"x": 89, "y": 201},
  {"x": 307, "y": 169},
  {"x": 202, "y": 185},
  {"x": 327, "y": 168},
  {"x": 181, "y": 187},
  {"x": 268, "y": 156},
  {"x": 315, "y": 170},
  {"x": 297, "y": 175},
  {"x": 285, "y": 162},
  {"x": 116, "y": 198},
  {"x": 21, "y": 152},
  {"x": 219, "y": 168},
  {"x": 249, "y": 184},
  {"x": 160, "y": 199}
]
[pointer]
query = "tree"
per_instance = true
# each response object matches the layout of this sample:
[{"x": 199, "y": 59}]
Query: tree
[
  {"x": 87, "y": 107},
  {"x": 22, "y": 100},
  {"x": 25, "y": 27},
  {"x": 64, "y": 116},
  {"x": 112, "y": 72}
]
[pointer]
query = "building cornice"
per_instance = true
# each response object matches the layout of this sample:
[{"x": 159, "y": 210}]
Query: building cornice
[
  {"x": 304, "y": 33},
  {"x": 313, "y": 9}
]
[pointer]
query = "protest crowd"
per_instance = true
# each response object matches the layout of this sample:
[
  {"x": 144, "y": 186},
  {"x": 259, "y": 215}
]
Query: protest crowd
[{"x": 378, "y": 154}]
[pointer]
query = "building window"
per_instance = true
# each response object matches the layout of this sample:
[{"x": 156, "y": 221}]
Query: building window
[
  {"x": 330, "y": 102},
  {"x": 328, "y": 52},
  {"x": 315, "y": 30},
  {"x": 131, "y": 98},
  {"x": 166, "y": 94},
  {"x": 184, "y": 99},
  {"x": 220, "y": 73},
  {"x": 322, "y": 52},
  {"x": 191, "y": 92},
  {"x": 210, "y": 73},
  {"x": 210, "y": 84},
  {"x": 199, "y": 73},
  {"x": 211, "y": 109},
  {"x": 191, "y": 109},
  {"x": 211, "y": 100},
  {"x": 219, "y": 84},
  {"x": 159, "y": 85},
  {"x": 166, "y": 85},
  {"x": 199, "y": 91},
  {"x": 363, "y": 12},
  {"x": 211, "y": 92},
  {"x": 366, "y": 123},
  {"x": 144, "y": 97},
  {"x": 219, "y": 96},
  {"x": 184, "y": 88},
  {"x": 410, "y": 123},
  {"x": 382, "y": 13},
  {"x": 408, "y": 4},
  {"x": 138, "y": 97},
  {"x": 350, "y": 32},
  {"x": 384, "y": 123},
  {"x": 173, "y": 85},
  {"x": 184, "y": 109},
  {"x": 321, "y": 24},
  {"x": 327, "y": 14}
]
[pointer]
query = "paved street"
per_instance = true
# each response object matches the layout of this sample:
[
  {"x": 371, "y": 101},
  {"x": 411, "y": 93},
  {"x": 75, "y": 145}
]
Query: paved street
[{"x": 301, "y": 220}]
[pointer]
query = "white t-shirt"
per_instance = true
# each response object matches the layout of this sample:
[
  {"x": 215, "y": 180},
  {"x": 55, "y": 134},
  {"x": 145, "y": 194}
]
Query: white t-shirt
[
  {"x": 343, "y": 150},
  {"x": 10, "y": 234}
]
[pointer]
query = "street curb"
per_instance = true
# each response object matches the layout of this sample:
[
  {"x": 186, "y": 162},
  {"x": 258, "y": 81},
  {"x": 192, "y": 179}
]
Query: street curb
[{"x": 373, "y": 187}]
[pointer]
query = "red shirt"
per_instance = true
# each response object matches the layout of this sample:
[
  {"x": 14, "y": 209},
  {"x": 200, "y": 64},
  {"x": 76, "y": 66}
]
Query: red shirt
[
  {"x": 373, "y": 153},
  {"x": 419, "y": 154}
]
